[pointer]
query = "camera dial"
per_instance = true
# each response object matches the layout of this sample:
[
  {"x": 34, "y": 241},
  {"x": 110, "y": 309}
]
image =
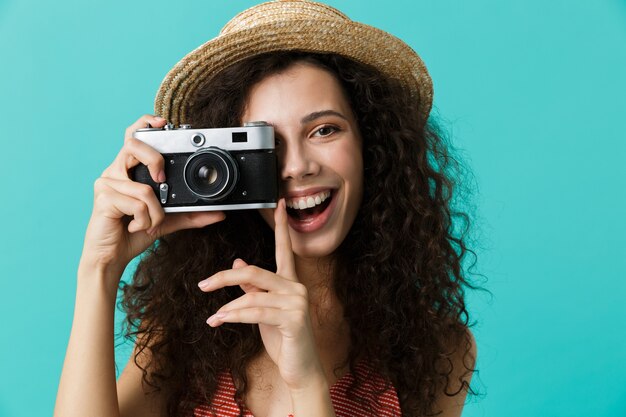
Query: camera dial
[
  {"x": 255, "y": 124},
  {"x": 197, "y": 139}
]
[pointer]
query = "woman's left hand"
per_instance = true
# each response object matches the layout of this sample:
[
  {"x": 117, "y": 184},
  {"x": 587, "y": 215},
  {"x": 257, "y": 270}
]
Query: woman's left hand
[{"x": 278, "y": 303}]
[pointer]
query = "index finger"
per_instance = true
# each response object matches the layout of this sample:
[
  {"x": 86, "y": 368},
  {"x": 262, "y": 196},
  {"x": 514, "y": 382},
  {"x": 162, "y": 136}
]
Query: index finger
[
  {"x": 285, "y": 265},
  {"x": 133, "y": 153},
  {"x": 147, "y": 120}
]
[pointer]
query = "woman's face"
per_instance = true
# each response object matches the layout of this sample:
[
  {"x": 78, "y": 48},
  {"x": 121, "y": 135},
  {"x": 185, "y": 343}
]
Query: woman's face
[{"x": 319, "y": 151}]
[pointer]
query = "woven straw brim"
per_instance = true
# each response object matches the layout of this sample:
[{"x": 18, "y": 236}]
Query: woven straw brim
[{"x": 354, "y": 40}]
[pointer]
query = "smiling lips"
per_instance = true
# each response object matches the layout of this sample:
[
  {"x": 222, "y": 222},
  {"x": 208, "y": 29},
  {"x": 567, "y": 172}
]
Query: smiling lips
[
  {"x": 309, "y": 213},
  {"x": 310, "y": 201}
]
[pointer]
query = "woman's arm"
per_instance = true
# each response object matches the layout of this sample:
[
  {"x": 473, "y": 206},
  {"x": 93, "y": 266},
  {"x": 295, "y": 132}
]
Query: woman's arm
[
  {"x": 88, "y": 386},
  {"x": 88, "y": 379}
]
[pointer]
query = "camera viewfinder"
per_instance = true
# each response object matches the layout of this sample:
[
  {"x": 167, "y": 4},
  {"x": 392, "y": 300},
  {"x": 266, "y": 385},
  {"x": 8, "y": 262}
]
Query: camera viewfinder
[{"x": 239, "y": 137}]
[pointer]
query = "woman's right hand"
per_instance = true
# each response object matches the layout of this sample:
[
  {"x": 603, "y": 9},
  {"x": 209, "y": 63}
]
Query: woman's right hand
[{"x": 127, "y": 217}]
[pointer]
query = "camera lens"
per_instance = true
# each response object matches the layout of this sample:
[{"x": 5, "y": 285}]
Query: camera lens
[
  {"x": 208, "y": 174},
  {"x": 211, "y": 173}
]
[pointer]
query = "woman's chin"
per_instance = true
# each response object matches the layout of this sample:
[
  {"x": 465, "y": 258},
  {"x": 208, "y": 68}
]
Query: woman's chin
[{"x": 308, "y": 247}]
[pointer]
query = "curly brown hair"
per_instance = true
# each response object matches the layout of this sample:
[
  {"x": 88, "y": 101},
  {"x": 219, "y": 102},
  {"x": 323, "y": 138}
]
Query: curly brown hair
[{"x": 398, "y": 274}]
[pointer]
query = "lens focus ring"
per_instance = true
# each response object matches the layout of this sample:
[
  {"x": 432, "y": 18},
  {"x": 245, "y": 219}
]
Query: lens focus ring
[{"x": 211, "y": 173}]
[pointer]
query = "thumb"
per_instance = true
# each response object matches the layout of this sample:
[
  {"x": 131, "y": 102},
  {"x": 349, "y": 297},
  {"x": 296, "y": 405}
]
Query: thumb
[
  {"x": 285, "y": 264},
  {"x": 193, "y": 220}
]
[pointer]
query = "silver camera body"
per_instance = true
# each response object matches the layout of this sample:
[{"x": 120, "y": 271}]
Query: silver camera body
[{"x": 231, "y": 168}]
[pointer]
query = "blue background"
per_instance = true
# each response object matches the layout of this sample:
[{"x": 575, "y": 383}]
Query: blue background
[{"x": 532, "y": 91}]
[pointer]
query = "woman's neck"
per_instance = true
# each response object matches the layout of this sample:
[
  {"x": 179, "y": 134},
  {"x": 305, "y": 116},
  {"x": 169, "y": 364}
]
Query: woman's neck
[
  {"x": 315, "y": 273},
  {"x": 331, "y": 331}
]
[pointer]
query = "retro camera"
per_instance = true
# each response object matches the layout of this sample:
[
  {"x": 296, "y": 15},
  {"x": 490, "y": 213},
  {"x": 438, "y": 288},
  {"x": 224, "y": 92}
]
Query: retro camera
[{"x": 213, "y": 169}]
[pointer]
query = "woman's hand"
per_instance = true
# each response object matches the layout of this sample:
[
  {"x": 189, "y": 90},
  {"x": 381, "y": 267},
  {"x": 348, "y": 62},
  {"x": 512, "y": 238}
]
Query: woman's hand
[
  {"x": 127, "y": 217},
  {"x": 278, "y": 303}
]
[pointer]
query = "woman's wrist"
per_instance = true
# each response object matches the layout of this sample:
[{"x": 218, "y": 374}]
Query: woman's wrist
[
  {"x": 312, "y": 399},
  {"x": 98, "y": 277}
]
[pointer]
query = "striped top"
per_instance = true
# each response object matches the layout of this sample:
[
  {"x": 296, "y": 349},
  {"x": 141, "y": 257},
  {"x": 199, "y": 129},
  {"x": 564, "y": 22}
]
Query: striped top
[{"x": 374, "y": 397}]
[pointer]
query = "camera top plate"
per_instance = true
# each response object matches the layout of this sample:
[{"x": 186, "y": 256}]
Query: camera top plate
[{"x": 253, "y": 135}]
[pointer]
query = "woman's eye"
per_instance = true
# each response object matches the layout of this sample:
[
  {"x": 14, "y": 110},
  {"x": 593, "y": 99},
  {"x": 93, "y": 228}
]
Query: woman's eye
[{"x": 325, "y": 131}]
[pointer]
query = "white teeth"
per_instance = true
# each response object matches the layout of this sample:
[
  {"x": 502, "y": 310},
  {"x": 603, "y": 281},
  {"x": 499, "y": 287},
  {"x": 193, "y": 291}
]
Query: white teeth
[{"x": 309, "y": 201}]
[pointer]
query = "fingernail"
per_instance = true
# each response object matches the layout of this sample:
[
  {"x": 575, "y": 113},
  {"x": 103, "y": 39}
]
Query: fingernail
[
  {"x": 161, "y": 176},
  {"x": 203, "y": 284},
  {"x": 215, "y": 318},
  {"x": 159, "y": 118}
]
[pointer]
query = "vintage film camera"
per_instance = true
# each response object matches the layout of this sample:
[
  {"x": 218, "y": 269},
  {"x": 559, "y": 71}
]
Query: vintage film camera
[{"x": 213, "y": 169}]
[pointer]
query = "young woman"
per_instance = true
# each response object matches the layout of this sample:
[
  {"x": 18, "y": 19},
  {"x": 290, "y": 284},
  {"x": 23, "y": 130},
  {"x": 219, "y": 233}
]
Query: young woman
[{"x": 347, "y": 299}]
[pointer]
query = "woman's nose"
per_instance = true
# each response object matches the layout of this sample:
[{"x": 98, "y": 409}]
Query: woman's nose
[{"x": 296, "y": 161}]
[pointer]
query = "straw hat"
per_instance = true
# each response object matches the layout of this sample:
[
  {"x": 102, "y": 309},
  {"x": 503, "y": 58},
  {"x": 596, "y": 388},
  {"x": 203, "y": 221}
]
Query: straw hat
[{"x": 291, "y": 25}]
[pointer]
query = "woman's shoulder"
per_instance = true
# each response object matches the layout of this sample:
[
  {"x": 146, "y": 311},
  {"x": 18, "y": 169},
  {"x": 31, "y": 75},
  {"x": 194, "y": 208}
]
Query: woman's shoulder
[
  {"x": 452, "y": 399},
  {"x": 134, "y": 397}
]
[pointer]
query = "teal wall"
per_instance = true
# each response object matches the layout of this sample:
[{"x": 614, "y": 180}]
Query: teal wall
[{"x": 533, "y": 92}]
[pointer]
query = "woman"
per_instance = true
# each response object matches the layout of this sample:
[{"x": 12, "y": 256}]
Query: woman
[{"x": 347, "y": 299}]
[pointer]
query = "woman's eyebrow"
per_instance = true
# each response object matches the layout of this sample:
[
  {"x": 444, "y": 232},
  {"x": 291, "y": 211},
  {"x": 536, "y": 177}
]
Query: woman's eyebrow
[{"x": 317, "y": 114}]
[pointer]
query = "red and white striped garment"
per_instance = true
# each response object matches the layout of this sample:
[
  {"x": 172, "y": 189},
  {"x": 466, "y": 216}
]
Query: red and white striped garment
[{"x": 372, "y": 398}]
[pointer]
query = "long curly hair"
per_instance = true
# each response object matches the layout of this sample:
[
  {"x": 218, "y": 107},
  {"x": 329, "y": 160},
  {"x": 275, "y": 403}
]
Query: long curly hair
[{"x": 398, "y": 274}]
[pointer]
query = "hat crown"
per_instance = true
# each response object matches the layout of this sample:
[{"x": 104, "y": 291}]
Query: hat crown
[
  {"x": 292, "y": 25},
  {"x": 281, "y": 11}
]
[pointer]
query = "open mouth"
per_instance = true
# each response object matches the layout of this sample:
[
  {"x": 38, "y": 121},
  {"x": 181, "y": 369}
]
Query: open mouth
[{"x": 307, "y": 209}]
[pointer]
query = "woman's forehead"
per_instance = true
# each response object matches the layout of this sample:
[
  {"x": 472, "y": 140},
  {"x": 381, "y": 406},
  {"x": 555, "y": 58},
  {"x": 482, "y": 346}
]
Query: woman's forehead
[{"x": 296, "y": 92}]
